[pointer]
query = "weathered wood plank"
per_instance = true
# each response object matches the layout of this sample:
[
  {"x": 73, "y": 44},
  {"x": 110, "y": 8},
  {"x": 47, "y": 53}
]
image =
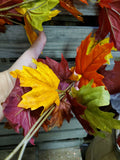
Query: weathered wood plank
[
  {"x": 44, "y": 136},
  {"x": 60, "y": 39},
  {"x": 74, "y": 124},
  {"x": 90, "y": 9},
  {"x": 60, "y": 144}
]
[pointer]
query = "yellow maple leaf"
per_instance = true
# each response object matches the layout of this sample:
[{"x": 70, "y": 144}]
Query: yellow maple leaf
[{"x": 44, "y": 84}]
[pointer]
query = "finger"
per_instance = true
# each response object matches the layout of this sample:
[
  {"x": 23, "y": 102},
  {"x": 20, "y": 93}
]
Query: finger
[{"x": 33, "y": 52}]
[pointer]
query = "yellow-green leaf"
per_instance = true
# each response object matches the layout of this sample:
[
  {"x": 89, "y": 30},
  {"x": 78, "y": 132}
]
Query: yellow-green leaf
[{"x": 40, "y": 11}]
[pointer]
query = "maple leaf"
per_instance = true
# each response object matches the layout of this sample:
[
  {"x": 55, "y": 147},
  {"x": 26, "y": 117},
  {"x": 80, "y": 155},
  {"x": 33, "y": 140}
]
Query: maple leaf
[
  {"x": 62, "y": 111},
  {"x": 90, "y": 99},
  {"x": 31, "y": 34},
  {"x": 69, "y": 6},
  {"x": 105, "y": 3},
  {"x": 60, "y": 69},
  {"x": 19, "y": 117},
  {"x": 79, "y": 110},
  {"x": 39, "y": 12},
  {"x": 111, "y": 78},
  {"x": 84, "y": 1},
  {"x": 110, "y": 23},
  {"x": 88, "y": 64},
  {"x": 44, "y": 84}
]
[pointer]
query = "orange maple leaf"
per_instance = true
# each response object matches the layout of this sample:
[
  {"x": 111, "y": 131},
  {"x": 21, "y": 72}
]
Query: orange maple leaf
[
  {"x": 84, "y": 1},
  {"x": 69, "y": 6},
  {"x": 88, "y": 64}
]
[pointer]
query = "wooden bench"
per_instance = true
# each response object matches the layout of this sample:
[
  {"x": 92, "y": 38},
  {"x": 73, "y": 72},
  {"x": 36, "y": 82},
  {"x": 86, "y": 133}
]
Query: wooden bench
[{"x": 64, "y": 34}]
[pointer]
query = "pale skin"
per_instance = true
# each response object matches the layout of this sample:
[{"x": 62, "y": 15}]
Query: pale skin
[{"x": 7, "y": 82}]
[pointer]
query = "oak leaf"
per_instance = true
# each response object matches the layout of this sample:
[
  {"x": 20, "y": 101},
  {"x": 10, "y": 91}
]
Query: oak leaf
[
  {"x": 44, "y": 84},
  {"x": 88, "y": 64},
  {"x": 110, "y": 23}
]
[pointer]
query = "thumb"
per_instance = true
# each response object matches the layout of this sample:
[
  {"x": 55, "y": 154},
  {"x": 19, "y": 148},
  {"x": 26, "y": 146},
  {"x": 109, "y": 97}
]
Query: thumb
[
  {"x": 33, "y": 52},
  {"x": 7, "y": 81}
]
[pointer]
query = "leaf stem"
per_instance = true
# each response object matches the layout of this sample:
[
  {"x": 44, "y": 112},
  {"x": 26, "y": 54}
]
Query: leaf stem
[
  {"x": 33, "y": 130},
  {"x": 27, "y": 136},
  {"x": 16, "y": 5}
]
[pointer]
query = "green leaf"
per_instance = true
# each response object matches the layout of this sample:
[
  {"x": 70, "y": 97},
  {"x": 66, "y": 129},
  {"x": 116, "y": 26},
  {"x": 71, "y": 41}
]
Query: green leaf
[
  {"x": 40, "y": 11},
  {"x": 92, "y": 97},
  {"x": 101, "y": 120}
]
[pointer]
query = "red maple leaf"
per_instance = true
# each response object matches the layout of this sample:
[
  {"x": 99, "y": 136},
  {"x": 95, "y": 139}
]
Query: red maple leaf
[
  {"x": 87, "y": 65},
  {"x": 109, "y": 22},
  {"x": 105, "y": 3},
  {"x": 112, "y": 78},
  {"x": 60, "y": 69},
  {"x": 19, "y": 117}
]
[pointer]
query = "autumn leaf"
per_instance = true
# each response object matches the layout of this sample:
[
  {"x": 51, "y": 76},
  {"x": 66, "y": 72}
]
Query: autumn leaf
[
  {"x": 19, "y": 117},
  {"x": 60, "y": 69},
  {"x": 39, "y": 12},
  {"x": 79, "y": 110},
  {"x": 110, "y": 23},
  {"x": 69, "y": 6},
  {"x": 31, "y": 34},
  {"x": 9, "y": 13},
  {"x": 84, "y": 1},
  {"x": 44, "y": 84},
  {"x": 94, "y": 42},
  {"x": 62, "y": 111},
  {"x": 104, "y": 3},
  {"x": 90, "y": 99},
  {"x": 112, "y": 78},
  {"x": 88, "y": 64}
]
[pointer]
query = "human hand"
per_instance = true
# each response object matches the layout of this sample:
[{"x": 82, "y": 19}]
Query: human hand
[{"x": 7, "y": 82}]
